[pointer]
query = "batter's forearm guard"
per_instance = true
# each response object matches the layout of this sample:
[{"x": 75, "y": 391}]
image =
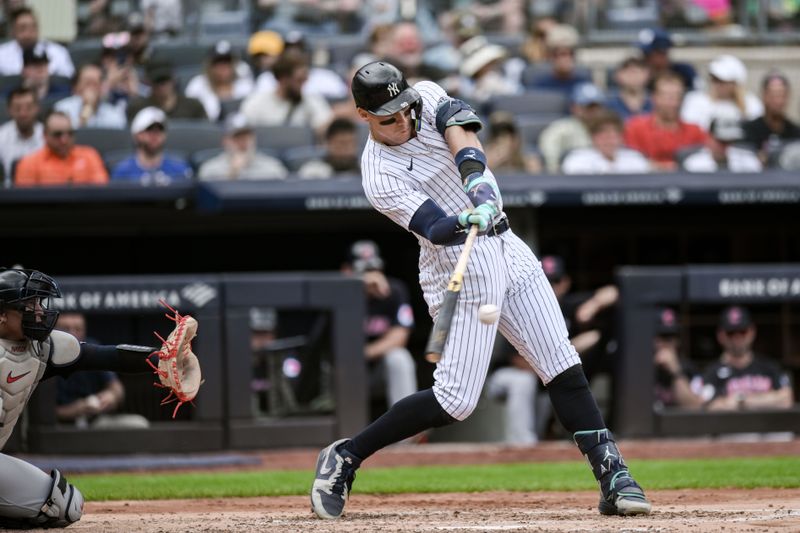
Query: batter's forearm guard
[{"x": 455, "y": 112}]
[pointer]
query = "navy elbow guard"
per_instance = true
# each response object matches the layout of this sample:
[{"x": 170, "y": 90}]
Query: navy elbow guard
[{"x": 455, "y": 112}]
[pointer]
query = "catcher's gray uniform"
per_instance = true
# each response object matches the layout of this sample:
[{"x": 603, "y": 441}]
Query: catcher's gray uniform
[
  {"x": 25, "y": 490},
  {"x": 31, "y": 351}
]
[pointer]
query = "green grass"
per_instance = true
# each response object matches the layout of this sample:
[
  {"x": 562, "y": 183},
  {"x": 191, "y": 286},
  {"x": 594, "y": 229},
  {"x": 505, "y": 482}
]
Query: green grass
[{"x": 772, "y": 472}]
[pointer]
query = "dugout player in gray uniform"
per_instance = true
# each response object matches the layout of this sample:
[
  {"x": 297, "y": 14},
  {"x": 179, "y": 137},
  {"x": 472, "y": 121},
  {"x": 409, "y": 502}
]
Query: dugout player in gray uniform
[
  {"x": 30, "y": 351},
  {"x": 424, "y": 168}
]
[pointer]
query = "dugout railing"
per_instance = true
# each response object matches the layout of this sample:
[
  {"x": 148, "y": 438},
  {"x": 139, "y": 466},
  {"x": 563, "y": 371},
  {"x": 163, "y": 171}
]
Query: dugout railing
[
  {"x": 126, "y": 309},
  {"x": 643, "y": 291}
]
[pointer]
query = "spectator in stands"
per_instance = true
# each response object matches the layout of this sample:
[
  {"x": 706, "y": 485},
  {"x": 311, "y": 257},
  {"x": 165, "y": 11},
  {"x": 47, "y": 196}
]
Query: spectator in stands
[
  {"x": 165, "y": 96},
  {"x": 322, "y": 81},
  {"x": 22, "y": 134},
  {"x": 677, "y": 381},
  {"x": 95, "y": 18},
  {"x": 571, "y": 132},
  {"x": 505, "y": 149},
  {"x": 631, "y": 96},
  {"x": 163, "y": 17},
  {"x": 534, "y": 48},
  {"x": 347, "y": 108},
  {"x": 406, "y": 48},
  {"x": 90, "y": 398},
  {"x": 515, "y": 382},
  {"x": 87, "y": 107},
  {"x": 655, "y": 45},
  {"x": 224, "y": 80},
  {"x": 150, "y": 165},
  {"x": 25, "y": 35},
  {"x": 388, "y": 323},
  {"x": 660, "y": 134},
  {"x": 721, "y": 151},
  {"x": 342, "y": 155},
  {"x": 770, "y": 131},
  {"x": 120, "y": 79},
  {"x": 60, "y": 161},
  {"x": 264, "y": 47},
  {"x": 562, "y": 74},
  {"x": 139, "y": 47},
  {"x": 740, "y": 380},
  {"x": 482, "y": 72},
  {"x": 607, "y": 155},
  {"x": 36, "y": 76},
  {"x": 241, "y": 160},
  {"x": 726, "y": 97},
  {"x": 287, "y": 105}
]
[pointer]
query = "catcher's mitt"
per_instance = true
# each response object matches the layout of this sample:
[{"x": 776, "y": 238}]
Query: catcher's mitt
[{"x": 178, "y": 368}]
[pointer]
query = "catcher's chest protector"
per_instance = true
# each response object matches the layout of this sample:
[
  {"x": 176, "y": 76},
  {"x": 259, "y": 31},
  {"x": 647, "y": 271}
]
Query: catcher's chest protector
[{"x": 22, "y": 364}]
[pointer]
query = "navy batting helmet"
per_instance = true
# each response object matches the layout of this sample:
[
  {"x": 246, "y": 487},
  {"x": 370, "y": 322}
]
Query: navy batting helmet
[
  {"x": 30, "y": 292},
  {"x": 380, "y": 88}
]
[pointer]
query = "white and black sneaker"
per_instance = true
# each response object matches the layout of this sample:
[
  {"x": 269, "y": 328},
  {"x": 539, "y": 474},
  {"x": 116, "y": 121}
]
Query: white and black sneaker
[{"x": 336, "y": 470}]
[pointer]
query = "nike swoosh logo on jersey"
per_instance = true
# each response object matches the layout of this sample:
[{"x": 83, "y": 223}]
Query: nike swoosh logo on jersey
[
  {"x": 410, "y": 165},
  {"x": 12, "y": 379}
]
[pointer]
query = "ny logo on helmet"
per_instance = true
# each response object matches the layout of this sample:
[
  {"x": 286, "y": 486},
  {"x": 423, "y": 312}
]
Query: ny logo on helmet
[{"x": 393, "y": 89}]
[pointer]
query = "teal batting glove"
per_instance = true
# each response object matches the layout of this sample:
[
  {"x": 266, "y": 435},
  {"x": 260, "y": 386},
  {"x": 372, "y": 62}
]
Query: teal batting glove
[{"x": 481, "y": 216}]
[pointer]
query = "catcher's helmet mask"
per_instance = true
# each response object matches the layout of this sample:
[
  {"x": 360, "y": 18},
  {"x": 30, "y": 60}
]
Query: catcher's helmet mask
[
  {"x": 382, "y": 90},
  {"x": 24, "y": 291}
]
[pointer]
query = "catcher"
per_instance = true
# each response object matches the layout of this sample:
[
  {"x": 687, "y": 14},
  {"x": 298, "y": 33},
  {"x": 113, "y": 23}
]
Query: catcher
[{"x": 31, "y": 351}]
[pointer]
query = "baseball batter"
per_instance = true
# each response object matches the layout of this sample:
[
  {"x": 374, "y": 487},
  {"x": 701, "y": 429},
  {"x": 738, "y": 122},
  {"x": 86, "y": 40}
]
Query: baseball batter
[
  {"x": 31, "y": 351},
  {"x": 424, "y": 168}
]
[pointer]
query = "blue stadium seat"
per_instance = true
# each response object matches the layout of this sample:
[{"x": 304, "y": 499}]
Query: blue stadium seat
[
  {"x": 193, "y": 135},
  {"x": 280, "y": 138},
  {"x": 105, "y": 139},
  {"x": 529, "y": 103},
  {"x": 294, "y": 158}
]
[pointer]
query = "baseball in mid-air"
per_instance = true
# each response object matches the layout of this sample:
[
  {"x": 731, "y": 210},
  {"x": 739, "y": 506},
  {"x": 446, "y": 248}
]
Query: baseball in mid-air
[{"x": 488, "y": 313}]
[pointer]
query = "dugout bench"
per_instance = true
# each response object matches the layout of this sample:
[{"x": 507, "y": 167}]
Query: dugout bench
[
  {"x": 643, "y": 290},
  {"x": 126, "y": 309}
]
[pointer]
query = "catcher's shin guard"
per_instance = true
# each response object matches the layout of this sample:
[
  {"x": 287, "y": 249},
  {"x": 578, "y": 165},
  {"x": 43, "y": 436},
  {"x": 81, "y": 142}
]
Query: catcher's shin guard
[
  {"x": 619, "y": 493},
  {"x": 64, "y": 504}
]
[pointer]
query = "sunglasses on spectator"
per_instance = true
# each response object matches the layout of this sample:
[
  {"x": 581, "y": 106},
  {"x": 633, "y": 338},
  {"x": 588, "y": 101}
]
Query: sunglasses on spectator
[
  {"x": 734, "y": 332},
  {"x": 61, "y": 133},
  {"x": 156, "y": 127}
]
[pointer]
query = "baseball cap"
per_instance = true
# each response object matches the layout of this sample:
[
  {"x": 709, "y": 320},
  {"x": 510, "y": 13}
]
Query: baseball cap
[
  {"x": 265, "y": 42},
  {"x": 726, "y": 129},
  {"x": 586, "y": 94},
  {"x": 477, "y": 53},
  {"x": 221, "y": 51},
  {"x": 735, "y": 318},
  {"x": 146, "y": 118},
  {"x": 136, "y": 22},
  {"x": 158, "y": 72},
  {"x": 35, "y": 55},
  {"x": 295, "y": 38},
  {"x": 364, "y": 255},
  {"x": 651, "y": 39},
  {"x": 728, "y": 68},
  {"x": 263, "y": 318},
  {"x": 667, "y": 322},
  {"x": 561, "y": 36},
  {"x": 237, "y": 123},
  {"x": 553, "y": 267}
]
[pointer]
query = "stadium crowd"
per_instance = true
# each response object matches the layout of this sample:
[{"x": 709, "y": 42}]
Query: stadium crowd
[{"x": 274, "y": 106}]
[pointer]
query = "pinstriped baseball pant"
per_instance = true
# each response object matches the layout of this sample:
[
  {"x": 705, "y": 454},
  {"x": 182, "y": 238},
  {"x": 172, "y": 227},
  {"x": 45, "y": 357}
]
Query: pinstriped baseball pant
[{"x": 502, "y": 270}]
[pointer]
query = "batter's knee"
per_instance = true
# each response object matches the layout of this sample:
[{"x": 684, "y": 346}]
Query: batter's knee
[{"x": 456, "y": 407}]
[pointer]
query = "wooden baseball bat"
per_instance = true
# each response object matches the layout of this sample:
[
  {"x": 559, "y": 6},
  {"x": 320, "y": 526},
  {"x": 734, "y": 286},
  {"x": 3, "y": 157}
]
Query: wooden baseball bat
[{"x": 438, "y": 336}]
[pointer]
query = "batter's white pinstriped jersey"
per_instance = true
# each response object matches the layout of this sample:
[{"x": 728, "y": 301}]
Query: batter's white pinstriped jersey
[{"x": 502, "y": 269}]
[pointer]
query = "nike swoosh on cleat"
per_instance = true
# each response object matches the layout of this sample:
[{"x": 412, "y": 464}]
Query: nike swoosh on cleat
[{"x": 12, "y": 379}]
